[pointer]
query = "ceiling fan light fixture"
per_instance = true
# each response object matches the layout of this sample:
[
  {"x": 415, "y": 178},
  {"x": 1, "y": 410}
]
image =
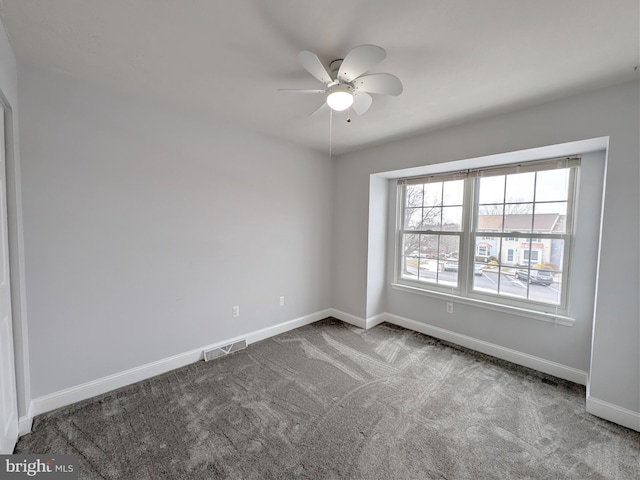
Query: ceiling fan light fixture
[{"x": 339, "y": 97}]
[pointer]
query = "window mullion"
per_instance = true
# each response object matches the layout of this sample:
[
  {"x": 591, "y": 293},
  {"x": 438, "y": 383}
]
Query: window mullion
[
  {"x": 467, "y": 254},
  {"x": 400, "y": 217},
  {"x": 569, "y": 234}
]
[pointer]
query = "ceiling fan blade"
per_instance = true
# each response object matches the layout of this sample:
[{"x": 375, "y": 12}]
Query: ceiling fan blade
[
  {"x": 302, "y": 90},
  {"x": 383, "y": 83},
  {"x": 361, "y": 102},
  {"x": 313, "y": 65},
  {"x": 320, "y": 109},
  {"x": 359, "y": 60}
]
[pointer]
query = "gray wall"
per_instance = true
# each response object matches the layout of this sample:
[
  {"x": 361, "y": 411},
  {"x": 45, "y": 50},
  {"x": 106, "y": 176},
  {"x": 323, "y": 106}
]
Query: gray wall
[
  {"x": 613, "y": 112},
  {"x": 142, "y": 229}
]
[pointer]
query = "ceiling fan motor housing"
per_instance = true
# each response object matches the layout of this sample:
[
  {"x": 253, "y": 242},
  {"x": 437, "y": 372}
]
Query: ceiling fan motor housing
[{"x": 334, "y": 66}]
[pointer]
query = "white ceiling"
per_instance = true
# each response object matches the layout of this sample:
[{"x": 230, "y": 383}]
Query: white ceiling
[{"x": 457, "y": 59}]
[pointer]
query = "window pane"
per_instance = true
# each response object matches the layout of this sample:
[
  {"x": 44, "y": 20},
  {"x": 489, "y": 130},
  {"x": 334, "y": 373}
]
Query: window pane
[
  {"x": 491, "y": 190},
  {"x": 559, "y": 208},
  {"x": 486, "y": 247},
  {"x": 410, "y": 255},
  {"x": 531, "y": 251},
  {"x": 518, "y": 209},
  {"x": 490, "y": 218},
  {"x": 432, "y": 218},
  {"x": 486, "y": 267},
  {"x": 409, "y": 269},
  {"x": 551, "y": 217},
  {"x": 412, "y": 218},
  {"x": 429, "y": 246},
  {"x": 516, "y": 220},
  {"x": 452, "y": 219},
  {"x": 428, "y": 268},
  {"x": 552, "y": 185},
  {"x": 520, "y": 187},
  {"x": 433, "y": 194},
  {"x": 413, "y": 196},
  {"x": 449, "y": 267},
  {"x": 449, "y": 246},
  {"x": 453, "y": 192},
  {"x": 555, "y": 259},
  {"x": 553, "y": 264},
  {"x": 410, "y": 244}
]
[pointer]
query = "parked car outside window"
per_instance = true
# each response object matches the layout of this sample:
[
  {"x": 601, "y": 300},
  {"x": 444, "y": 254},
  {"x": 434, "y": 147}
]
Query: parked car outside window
[
  {"x": 451, "y": 265},
  {"x": 535, "y": 275}
]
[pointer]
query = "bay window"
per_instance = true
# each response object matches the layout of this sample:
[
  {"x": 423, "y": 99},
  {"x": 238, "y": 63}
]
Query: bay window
[{"x": 500, "y": 235}]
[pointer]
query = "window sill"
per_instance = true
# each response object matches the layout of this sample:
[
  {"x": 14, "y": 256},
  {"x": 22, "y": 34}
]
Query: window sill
[{"x": 556, "y": 319}]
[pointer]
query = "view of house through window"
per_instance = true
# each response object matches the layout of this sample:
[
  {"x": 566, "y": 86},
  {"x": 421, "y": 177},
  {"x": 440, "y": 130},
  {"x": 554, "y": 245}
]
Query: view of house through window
[{"x": 502, "y": 233}]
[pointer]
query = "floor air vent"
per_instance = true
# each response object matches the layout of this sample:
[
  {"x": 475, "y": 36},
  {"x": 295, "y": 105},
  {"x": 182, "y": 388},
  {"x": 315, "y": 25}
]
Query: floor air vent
[{"x": 225, "y": 350}]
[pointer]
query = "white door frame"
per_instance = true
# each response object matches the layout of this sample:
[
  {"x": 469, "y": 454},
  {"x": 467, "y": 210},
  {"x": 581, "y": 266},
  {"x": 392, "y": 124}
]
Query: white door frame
[
  {"x": 8, "y": 384},
  {"x": 17, "y": 266}
]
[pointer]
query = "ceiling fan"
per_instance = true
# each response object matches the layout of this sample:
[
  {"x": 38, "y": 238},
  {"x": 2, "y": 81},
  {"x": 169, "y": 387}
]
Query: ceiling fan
[{"x": 345, "y": 85}]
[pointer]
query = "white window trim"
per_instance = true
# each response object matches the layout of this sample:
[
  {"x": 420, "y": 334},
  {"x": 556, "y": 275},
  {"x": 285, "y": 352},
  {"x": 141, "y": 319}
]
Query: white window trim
[{"x": 463, "y": 292}]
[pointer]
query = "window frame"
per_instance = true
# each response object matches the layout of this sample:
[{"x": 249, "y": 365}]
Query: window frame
[{"x": 469, "y": 233}]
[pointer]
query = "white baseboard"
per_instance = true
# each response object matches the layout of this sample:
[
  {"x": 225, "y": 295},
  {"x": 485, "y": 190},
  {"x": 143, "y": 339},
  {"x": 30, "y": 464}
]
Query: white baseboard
[
  {"x": 26, "y": 422},
  {"x": 613, "y": 413},
  {"x": 24, "y": 425},
  {"x": 376, "y": 320},
  {"x": 514, "y": 356},
  {"x": 348, "y": 318},
  {"x": 357, "y": 321},
  {"x": 274, "y": 330},
  {"x": 106, "y": 384}
]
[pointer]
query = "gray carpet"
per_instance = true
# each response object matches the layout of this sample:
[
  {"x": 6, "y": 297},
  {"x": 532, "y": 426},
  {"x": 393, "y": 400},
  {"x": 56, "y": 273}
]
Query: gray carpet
[{"x": 333, "y": 401}]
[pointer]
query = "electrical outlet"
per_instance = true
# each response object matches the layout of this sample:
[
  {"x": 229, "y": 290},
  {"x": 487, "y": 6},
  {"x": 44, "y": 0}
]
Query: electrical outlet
[
  {"x": 282, "y": 301},
  {"x": 449, "y": 307},
  {"x": 235, "y": 311}
]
